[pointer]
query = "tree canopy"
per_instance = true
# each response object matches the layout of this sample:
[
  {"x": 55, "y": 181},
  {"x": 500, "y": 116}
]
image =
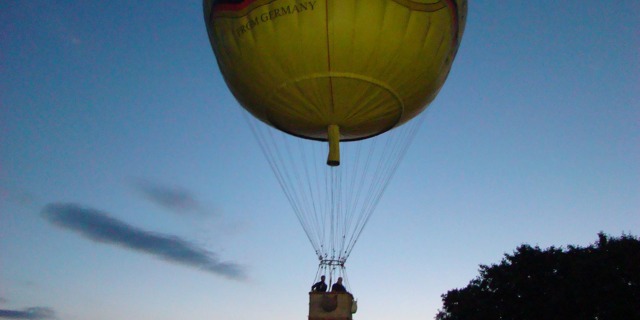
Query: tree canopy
[{"x": 598, "y": 282}]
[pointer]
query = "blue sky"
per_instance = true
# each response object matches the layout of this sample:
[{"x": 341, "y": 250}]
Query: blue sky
[{"x": 117, "y": 110}]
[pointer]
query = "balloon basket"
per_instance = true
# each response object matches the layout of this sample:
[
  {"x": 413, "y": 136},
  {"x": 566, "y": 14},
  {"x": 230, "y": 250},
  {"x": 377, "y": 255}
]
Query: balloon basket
[{"x": 330, "y": 306}]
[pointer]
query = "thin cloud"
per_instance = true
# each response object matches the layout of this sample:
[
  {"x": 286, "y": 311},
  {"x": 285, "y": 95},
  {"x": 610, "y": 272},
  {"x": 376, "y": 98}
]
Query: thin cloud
[
  {"x": 100, "y": 227},
  {"x": 176, "y": 199},
  {"x": 30, "y": 313}
]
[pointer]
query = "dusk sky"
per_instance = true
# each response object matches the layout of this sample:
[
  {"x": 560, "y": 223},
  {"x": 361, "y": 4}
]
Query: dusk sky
[{"x": 131, "y": 186}]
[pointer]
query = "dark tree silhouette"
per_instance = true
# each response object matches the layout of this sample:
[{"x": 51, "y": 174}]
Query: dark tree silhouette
[{"x": 598, "y": 282}]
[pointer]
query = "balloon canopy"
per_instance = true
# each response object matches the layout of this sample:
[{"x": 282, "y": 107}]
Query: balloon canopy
[{"x": 335, "y": 70}]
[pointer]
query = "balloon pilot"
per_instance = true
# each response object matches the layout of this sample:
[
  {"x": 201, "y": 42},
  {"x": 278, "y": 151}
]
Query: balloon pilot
[
  {"x": 338, "y": 287},
  {"x": 319, "y": 286}
]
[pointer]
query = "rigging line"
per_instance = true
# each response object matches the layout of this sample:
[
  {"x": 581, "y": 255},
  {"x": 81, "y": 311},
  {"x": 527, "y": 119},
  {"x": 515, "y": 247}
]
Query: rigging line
[
  {"x": 307, "y": 197},
  {"x": 297, "y": 184},
  {"x": 344, "y": 214},
  {"x": 382, "y": 178},
  {"x": 316, "y": 214},
  {"x": 312, "y": 179},
  {"x": 402, "y": 148},
  {"x": 327, "y": 171},
  {"x": 299, "y": 169},
  {"x": 323, "y": 193},
  {"x": 376, "y": 155},
  {"x": 340, "y": 212},
  {"x": 353, "y": 170},
  {"x": 327, "y": 207},
  {"x": 268, "y": 153},
  {"x": 343, "y": 226},
  {"x": 296, "y": 206},
  {"x": 353, "y": 201},
  {"x": 344, "y": 277},
  {"x": 349, "y": 192},
  {"x": 362, "y": 170},
  {"x": 385, "y": 162},
  {"x": 363, "y": 176},
  {"x": 288, "y": 181},
  {"x": 311, "y": 215},
  {"x": 411, "y": 134},
  {"x": 322, "y": 186},
  {"x": 331, "y": 213},
  {"x": 336, "y": 213},
  {"x": 328, "y": 214},
  {"x": 384, "y": 170}
]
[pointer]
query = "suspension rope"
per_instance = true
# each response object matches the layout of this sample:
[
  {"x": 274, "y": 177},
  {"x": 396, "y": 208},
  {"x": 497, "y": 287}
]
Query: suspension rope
[
  {"x": 404, "y": 141},
  {"x": 333, "y": 204},
  {"x": 271, "y": 153}
]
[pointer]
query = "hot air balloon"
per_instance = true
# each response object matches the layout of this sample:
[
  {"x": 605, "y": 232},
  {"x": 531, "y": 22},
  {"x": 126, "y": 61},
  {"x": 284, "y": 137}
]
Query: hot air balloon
[{"x": 339, "y": 80}]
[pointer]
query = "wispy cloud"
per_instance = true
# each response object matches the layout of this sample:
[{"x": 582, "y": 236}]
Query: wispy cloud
[
  {"x": 30, "y": 313},
  {"x": 100, "y": 227},
  {"x": 176, "y": 199}
]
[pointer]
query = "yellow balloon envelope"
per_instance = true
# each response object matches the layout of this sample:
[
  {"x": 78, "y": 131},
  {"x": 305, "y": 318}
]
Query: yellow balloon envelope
[{"x": 335, "y": 70}]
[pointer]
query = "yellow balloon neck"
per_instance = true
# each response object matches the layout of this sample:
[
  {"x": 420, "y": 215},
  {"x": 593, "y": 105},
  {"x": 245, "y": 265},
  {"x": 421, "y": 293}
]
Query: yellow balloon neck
[{"x": 333, "y": 133}]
